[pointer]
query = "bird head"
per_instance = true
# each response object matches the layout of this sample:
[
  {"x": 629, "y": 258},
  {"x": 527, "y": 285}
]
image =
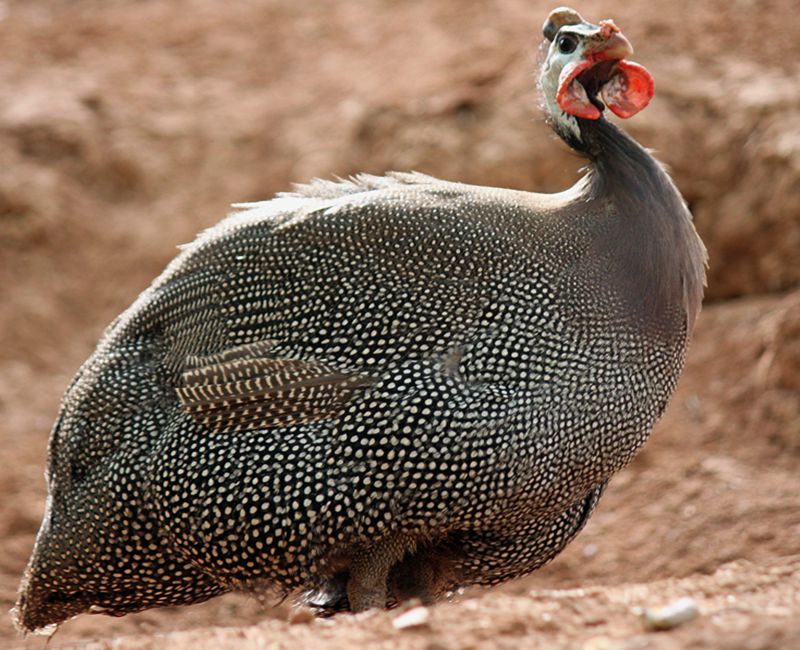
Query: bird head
[{"x": 587, "y": 62}]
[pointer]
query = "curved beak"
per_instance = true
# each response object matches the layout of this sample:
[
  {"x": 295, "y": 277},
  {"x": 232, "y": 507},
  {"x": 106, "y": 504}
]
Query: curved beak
[
  {"x": 616, "y": 47},
  {"x": 610, "y": 43}
]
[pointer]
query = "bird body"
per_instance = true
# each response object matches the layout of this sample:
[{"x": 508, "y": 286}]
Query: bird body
[{"x": 370, "y": 390}]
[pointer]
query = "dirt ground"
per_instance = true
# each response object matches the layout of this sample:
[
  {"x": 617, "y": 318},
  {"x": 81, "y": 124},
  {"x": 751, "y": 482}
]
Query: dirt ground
[{"x": 127, "y": 126}]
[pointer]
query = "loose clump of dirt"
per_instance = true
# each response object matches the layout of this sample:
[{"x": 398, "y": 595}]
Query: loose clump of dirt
[{"x": 127, "y": 127}]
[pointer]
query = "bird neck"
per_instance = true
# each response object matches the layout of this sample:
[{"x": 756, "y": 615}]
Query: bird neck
[
  {"x": 657, "y": 254},
  {"x": 618, "y": 161}
]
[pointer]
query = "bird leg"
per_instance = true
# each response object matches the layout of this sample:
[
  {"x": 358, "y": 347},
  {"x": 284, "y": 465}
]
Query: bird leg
[
  {"x": 369, "y": 572},
  {"x": 416, "y": 577}
]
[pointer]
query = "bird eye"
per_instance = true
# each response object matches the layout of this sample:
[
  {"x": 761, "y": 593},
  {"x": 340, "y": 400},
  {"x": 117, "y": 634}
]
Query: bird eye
[{"x": 567, "y": 44}]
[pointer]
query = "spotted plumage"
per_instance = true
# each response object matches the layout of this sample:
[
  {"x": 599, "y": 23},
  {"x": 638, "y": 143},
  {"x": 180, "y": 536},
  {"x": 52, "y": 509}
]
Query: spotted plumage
[
  {"x": 370, "y": 390},
  {"x": 244, "y": 389}
]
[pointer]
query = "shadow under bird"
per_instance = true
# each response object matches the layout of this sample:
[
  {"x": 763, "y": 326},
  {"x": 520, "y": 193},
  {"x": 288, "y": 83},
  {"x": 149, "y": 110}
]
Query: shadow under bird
[{"x": 384, "y": 388}]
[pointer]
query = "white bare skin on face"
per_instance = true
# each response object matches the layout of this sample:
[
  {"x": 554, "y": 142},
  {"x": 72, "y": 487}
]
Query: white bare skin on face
[{"x": 568, "y": 47}]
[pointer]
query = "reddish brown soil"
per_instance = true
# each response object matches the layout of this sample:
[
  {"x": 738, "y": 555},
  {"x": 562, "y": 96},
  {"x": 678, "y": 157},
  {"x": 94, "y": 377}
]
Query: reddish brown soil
[{"x": 127, "y": 126}]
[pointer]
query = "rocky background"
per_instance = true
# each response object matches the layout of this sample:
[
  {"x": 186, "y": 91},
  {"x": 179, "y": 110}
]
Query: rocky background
[{"x": 127, "y": 126}]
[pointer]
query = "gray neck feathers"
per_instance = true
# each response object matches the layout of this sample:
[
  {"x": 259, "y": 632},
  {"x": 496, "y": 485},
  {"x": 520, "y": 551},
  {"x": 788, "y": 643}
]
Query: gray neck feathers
[{"x": 658, "y": 255}]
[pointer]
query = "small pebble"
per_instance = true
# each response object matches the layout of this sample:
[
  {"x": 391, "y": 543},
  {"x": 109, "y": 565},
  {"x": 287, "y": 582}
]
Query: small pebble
[
  {"x": 590, "y": 550},
  {"x": 665, "y": 618},
  {"x": 546, "y": 623},
  {"x": 415, "y": 617}
]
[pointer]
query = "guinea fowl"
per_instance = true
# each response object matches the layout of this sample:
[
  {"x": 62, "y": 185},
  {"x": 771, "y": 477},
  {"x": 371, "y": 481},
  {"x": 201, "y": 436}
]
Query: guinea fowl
[{"x": 371, "y": 390}]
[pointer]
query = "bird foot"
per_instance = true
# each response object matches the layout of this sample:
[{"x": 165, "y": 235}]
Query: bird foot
[{"x": 330, "y": 598}]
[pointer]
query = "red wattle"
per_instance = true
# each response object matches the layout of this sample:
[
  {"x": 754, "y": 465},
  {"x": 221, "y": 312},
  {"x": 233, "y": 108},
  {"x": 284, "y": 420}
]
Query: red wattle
[
  {"x": 571, "y": 96},
  {"x": 629, "y": 90},
  {"x": 626, "y": 93}
]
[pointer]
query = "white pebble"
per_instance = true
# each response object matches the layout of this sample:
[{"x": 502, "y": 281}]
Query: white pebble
[
  {"x": 665, "y": 618},
  {"x": 415, "y": 617}
]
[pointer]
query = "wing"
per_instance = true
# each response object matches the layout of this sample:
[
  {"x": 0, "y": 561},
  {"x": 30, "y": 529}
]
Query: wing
[
  {"x": 293, "y": 314},
  {"x": 281, "y": 314},
  {"x": 245, "y": 389}
]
